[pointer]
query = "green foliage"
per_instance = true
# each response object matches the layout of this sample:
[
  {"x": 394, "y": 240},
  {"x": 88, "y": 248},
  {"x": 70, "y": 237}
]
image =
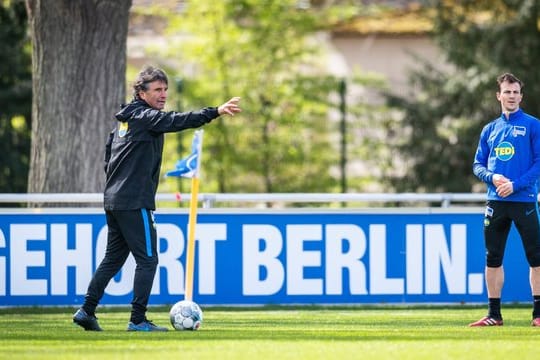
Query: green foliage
[
  {"x": 265, "y": 53},
  {"x": 15, "y": 97},
  {"x": 446, "y": 110}
]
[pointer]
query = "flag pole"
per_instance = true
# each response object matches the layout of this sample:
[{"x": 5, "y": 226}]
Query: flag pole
[{"x": 190, "y": 252}]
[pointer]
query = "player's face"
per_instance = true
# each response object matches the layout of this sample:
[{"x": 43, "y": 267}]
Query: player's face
[
  {"x": 155, "y": 95},
  {"x": 509, "y": 96}
]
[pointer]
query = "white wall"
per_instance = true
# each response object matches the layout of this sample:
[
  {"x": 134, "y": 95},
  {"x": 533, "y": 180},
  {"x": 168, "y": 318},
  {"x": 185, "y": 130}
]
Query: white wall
[{"x": 386, "y": 55}]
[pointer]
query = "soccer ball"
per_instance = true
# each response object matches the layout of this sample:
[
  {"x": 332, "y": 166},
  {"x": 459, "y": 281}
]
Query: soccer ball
[{"x": 186, "y": 315}]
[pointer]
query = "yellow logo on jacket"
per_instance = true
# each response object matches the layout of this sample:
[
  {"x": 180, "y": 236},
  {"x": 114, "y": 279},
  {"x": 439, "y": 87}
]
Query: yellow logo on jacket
[
  {"x": 505, "y": 151},
  {"x": 123, "y": 129}
]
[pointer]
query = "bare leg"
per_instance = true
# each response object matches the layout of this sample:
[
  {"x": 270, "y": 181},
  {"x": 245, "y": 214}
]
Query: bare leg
[
  {"x": 495, "y": 281},
  {"x": 535, "y": 287},
  {"x": 535, "y": 280}
]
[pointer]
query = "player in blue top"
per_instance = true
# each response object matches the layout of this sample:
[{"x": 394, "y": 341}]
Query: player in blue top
[{"x": 508, "y": 161}]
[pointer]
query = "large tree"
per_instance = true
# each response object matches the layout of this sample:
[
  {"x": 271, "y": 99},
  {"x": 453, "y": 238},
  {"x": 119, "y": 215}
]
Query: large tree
[
  {"x": 446, "y": 110},
  {"x": 15, "y": 97},
  {"x": 79, "y": 66}
]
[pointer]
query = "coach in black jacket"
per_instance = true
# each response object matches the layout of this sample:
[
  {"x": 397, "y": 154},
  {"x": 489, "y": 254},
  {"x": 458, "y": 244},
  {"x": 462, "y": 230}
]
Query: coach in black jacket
[{"x": 132, "y": 163}]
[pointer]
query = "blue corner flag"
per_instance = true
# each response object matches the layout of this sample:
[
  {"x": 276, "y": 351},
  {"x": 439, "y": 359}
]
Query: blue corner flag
[{"x": 189, "y": 167}]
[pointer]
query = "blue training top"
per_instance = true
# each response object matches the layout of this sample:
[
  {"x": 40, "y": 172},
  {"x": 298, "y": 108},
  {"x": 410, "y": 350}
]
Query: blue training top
[{"x": 510, "y": 147}]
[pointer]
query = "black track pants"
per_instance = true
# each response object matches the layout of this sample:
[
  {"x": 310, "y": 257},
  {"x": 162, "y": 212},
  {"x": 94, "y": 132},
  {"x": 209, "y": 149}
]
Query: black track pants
[
  {"x": 498, "y": 219},
  {"x": 128, "y": 231}
]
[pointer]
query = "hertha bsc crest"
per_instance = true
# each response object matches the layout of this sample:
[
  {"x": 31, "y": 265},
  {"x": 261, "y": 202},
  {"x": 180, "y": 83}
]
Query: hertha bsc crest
[{"x": 123, "y": 129}]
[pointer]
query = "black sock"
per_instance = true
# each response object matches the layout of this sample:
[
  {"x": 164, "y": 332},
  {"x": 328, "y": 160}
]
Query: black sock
[
  {"x": 494, "y": 309},
  {"x": 536, "y": 308}
]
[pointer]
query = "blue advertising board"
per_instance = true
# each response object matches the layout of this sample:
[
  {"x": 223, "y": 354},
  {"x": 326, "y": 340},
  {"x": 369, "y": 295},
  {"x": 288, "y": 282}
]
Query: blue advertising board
[{"x": 266, "y": 257}]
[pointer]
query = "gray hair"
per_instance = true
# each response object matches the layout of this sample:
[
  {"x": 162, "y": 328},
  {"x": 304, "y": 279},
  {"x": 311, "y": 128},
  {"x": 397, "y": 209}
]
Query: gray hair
[{"x": 147, "y": 75}]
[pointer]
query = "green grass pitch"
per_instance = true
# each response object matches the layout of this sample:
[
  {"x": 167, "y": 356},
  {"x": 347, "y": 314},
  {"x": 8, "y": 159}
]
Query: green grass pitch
[{"x": 277, "y": 332}]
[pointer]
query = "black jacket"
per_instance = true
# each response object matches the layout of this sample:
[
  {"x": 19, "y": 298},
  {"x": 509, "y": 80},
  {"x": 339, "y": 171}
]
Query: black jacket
[{"x": 134, "y": 150}]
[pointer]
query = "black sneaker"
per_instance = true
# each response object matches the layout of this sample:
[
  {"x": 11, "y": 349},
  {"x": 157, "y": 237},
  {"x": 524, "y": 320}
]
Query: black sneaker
[
  {"x": 146, "y": 325},
  {"x": 88, "y": 322}
]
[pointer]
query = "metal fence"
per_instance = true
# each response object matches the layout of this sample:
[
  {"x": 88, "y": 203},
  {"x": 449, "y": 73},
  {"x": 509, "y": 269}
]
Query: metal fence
[{"x": 211, "y": 200}]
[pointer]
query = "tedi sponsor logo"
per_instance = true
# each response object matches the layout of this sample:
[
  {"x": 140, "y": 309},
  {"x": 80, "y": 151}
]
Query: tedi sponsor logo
[{"x": 505, "y": 151}]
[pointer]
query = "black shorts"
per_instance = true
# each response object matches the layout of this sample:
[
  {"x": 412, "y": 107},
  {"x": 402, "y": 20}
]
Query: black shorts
[{"x": 498, "y": 219}]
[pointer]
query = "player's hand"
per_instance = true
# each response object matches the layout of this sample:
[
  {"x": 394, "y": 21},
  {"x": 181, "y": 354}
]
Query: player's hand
[
  {"x": 505, "y": 189},
  {"x": 231, "y": 107},
  {"x": 499, "y": 179}
]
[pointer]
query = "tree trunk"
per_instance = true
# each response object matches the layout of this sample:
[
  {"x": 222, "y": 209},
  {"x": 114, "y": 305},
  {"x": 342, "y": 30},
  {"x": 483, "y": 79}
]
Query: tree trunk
[{"x": 79, "y": 66}]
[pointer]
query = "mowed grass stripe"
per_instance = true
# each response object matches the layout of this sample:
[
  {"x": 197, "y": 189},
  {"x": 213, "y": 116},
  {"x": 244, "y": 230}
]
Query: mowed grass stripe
[{"x": 275, "y": 333}]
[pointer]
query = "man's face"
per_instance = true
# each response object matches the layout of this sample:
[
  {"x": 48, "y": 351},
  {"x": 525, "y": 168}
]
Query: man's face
[
  {"x": 155, "y": 95},
  {"x": 509, "y": 96}
]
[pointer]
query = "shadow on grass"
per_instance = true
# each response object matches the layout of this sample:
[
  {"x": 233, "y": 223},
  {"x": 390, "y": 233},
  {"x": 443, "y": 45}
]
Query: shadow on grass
[
  {"x": 276, "y": 323},
  {"x": 276, "y": 307}
]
